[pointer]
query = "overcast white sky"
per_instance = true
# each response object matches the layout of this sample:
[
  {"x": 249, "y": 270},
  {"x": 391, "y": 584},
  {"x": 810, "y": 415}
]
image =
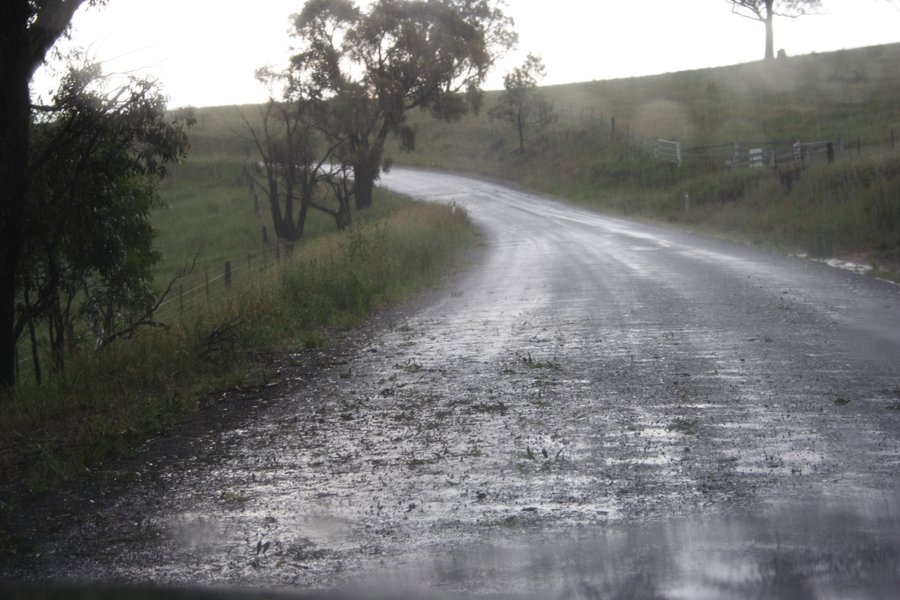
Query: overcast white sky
[{"x": 205, "y": 52}]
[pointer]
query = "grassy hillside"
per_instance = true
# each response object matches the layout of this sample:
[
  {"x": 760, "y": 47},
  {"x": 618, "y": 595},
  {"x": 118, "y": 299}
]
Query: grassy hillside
[
  {"x": 849, "y": 207},
  {"x": 851, "y": 93}
]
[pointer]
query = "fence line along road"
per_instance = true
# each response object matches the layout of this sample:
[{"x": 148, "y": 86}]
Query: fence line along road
[
  {"x": 767, "y": 154},
  {"x": 200, "y": 289},
  {"x": 670, "y": 149},
  {"x": 193, "y": 291}
]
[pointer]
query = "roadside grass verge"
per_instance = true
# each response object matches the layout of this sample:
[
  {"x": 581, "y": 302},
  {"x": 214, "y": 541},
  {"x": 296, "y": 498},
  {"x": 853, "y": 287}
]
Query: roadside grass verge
[
  {"x": 851, "y": 207},
  {"x": 113, "y": 400}
]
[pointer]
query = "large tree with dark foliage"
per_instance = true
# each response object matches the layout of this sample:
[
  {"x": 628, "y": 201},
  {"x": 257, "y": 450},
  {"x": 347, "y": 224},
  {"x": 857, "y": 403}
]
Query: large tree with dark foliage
[
  {"x": 76, "y": 186},
  {"x": 28, "y": 29},
  {"x": 765, "y": 12},
  {"x": 300, "y": 157},
  {"x": 373, "y": 67},
  {"x": 95, "y": 157}
]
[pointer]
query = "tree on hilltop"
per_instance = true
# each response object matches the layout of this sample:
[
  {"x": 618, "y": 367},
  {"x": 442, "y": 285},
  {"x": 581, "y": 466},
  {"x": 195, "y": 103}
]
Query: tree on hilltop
[{"x": 765, "y": 12}]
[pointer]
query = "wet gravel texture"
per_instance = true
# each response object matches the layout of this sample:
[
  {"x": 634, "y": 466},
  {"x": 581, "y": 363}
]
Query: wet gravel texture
[{"x": 595, "y": 408}]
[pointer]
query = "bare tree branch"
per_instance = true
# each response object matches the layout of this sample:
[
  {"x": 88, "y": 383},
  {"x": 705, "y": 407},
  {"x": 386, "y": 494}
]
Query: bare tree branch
[{"x": 146, "y": 319}]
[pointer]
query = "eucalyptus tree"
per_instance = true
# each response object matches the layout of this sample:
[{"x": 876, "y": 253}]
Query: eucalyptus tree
[
  {"x": 765, "y": 12},
  {"x": 292, "y": 160},
  {"x": 521, "y": 104},
  {"x": 374, "y": 66},
  {"x": 28, "y": 30},
  {"x": 95, "y": 157}
]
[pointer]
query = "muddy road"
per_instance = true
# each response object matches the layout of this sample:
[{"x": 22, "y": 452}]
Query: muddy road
[{"x": 596, "y": 408}]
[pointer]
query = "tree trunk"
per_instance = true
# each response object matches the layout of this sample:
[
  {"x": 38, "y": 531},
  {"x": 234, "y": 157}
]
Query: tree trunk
[
  {"x": 367, "y": 166},
  {"x": 282, "y": 230},
  {"x": 7, "y": 322},
  {"x": 345, "y": 216},
  {"x": 301, "y": 221},
  {"x": 364, "y": 180},
  {"x": 14, "y": 116},
  {"x": 57, "y": 346},
  {"x": 770, "y": 31},
  {"x": 25, "y": 38},
  {"x": 35, "y": 355}
]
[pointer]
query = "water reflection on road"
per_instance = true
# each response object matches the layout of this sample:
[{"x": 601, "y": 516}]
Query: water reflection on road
[{"x": 792, "y": 552}]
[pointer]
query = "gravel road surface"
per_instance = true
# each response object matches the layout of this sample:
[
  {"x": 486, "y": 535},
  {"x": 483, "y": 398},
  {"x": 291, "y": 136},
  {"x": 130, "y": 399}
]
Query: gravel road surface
[{"x": 595, "y": 408}]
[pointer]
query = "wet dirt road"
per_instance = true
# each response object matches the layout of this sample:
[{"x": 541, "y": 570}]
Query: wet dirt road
[{"x": 596, "y": 408}]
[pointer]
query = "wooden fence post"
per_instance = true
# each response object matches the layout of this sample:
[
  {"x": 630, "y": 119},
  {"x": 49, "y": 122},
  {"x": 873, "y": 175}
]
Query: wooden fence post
[
  {"x": 612, "y": 125},
  {"x": 181, "y": 297},
  {"x": 206, "y": 273},
  {"x": 228, "y": 275}
]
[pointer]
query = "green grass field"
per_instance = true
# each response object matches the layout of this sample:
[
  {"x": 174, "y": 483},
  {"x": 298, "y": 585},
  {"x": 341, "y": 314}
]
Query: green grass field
[{"x": 851, "y": 93}]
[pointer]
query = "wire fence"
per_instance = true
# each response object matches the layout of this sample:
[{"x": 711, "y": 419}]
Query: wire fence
[
  {"x": 202, "y": 288},
  {"x": 193, "y": 291},
  {"x": 775, "y": 154},
  {"x": 592, "y": 119},
  {"x": 768, "y": 153}
]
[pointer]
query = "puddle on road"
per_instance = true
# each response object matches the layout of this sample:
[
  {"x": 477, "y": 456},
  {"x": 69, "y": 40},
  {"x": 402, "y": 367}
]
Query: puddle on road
[
  {"x": 427, "y": 464},
  {"x": 792, "y": 552}
]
